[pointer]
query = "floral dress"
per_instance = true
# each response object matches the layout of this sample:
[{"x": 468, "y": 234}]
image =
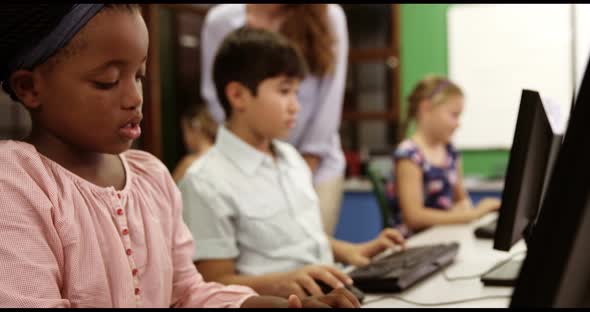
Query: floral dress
[{"x": 438, "y": 181}]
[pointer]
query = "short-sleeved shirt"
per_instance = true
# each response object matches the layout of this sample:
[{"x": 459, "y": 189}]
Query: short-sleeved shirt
[
  {"x": 438, "y": 182},
  {"x": 66, "y": 242},
  {"x": 321, "y": 98},
  {"x": 241, "y": 204}
]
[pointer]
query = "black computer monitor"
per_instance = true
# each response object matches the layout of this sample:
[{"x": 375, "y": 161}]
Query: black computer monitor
[
  {"x": 534, "y": 149},
  {"x": 531, "y": 159},
  {"x": 556, "y": 270}
]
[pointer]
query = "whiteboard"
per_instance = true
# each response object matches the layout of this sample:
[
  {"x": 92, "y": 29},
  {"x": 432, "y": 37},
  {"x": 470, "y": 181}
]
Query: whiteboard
[{"x": 495, "y": 51}]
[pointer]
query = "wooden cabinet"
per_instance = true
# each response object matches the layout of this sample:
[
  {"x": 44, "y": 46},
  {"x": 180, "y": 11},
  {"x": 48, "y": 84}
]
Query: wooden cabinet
[
  {"x": 173, "y": 76},
  {"x": 15, "y": 122},
  {"x": 370, "y": 118}
]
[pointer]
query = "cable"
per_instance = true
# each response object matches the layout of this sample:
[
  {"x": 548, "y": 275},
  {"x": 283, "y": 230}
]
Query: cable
[
  {"x": 430, "y": 304},
  {"x": 497, "y": 265},
  {"x": 453, "y": 279},
  {"x": 459, "y": 278}
]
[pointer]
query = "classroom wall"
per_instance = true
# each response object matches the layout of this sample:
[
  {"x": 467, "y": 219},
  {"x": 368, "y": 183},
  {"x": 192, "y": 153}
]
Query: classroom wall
[{"x": 424, "y": 50}]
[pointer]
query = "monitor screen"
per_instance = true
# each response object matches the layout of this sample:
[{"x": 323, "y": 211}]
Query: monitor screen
[
  {"x": 534, "y": 148},
  {"x": 556, "y": 271}
]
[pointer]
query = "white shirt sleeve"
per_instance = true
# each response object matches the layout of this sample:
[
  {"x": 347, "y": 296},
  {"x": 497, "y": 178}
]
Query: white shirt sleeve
[
  {"x": 209, "y": 218},
  {"x": 325, "y": 122}
]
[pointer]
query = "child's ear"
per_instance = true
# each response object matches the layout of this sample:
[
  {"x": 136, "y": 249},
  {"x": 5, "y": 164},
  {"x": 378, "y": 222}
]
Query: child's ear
[
  {"x": 424, "y": 106},
  {"x": 237, "y": 95},
  {"x": 22, "y": 82}
]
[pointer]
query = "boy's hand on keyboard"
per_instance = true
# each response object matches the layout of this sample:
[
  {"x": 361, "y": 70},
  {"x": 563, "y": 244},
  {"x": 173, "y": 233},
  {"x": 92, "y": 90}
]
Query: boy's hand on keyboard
[
  {"x": 361, "y": 254},
  {"x": 302, "y": 282}
]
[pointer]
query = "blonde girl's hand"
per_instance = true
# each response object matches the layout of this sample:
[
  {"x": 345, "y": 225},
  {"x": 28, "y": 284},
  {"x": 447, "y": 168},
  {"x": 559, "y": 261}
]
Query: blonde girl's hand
[
  {"x": 485, "y": 206},
  {"x": 488, "y": 204},
  {"x": 463, "y": 205}
]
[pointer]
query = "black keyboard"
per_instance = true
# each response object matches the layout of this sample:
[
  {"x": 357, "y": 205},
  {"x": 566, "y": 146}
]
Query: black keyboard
[{"x": 404, "y": 268}]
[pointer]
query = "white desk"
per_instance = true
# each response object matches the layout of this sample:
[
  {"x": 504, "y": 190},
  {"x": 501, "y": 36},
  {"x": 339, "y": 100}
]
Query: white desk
[
  {"x": 475, "y": 256},
  {"x": 483, "y": 185}
]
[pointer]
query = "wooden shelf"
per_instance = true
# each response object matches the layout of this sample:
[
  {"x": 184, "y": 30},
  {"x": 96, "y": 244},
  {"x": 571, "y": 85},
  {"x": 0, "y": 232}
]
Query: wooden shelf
[
  {"x": 201, "y": 10},
  {"x": 151, "y": 139},
  {"x": 368, "y": 55},
  {"x": 361, "y": 58},
  {"x": 359, "y": 116}
]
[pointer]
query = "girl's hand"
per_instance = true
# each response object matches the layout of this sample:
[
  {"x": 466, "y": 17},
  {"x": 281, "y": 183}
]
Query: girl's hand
[
  {"x": 361, "y": 254},
  {"x": 487, "y": 205},
  {"x": 463, "y": 205},
  {"x": 337, "y": 298}
]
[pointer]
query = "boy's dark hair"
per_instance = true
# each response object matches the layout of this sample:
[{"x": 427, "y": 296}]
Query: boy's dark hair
[{"x": 249, "y": 56}]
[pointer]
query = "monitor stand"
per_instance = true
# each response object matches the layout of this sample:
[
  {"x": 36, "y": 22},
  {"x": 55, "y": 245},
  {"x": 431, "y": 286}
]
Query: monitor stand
[{"x": 504, "y": 274}]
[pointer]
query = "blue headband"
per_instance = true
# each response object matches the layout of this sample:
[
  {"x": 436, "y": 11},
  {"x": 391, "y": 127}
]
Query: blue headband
[
  {"x": 67, "y": 28},
  {"x": 439, "y": 88}
]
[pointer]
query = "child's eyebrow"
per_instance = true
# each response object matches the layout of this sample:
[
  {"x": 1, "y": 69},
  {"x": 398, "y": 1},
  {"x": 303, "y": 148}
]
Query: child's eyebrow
[{"x": 114, "y": 63}]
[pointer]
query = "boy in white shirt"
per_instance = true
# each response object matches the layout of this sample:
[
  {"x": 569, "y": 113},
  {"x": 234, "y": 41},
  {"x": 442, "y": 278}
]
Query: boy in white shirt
[{"x": 250, "y": 201}]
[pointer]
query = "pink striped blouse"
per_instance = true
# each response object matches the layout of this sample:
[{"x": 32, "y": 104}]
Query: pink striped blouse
[{"x": 65, "y": 242}]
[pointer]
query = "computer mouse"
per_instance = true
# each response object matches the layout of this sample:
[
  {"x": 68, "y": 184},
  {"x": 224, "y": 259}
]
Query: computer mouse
[{"x": 359, "y": 294}]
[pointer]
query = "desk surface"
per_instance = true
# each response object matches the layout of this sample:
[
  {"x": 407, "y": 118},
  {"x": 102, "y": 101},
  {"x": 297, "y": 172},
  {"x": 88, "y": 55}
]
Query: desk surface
[
  {"x": 483, "y": 185},
  {"x": 471, "y": 184},
  {"x": 475, "y": 256}
]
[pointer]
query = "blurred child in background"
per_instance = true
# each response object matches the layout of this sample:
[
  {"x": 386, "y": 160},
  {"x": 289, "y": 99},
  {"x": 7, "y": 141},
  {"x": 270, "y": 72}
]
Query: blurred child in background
[
  {"x": 428, "y": 172},
  {"x": 199, "y": 130}
]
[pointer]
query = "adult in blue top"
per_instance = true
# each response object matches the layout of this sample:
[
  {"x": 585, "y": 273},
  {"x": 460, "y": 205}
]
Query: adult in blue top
[{"x": 320, "y": 32}]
